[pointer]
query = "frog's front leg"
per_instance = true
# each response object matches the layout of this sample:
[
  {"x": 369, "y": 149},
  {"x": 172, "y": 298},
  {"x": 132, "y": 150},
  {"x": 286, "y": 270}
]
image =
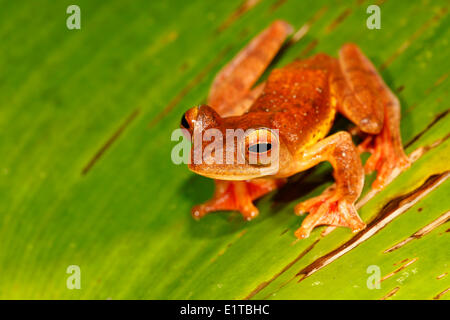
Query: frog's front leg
[
  {"x": 335, "y": 206},
  {"x": 363, "y": 97},
  {"x": 238, "y": 196}
]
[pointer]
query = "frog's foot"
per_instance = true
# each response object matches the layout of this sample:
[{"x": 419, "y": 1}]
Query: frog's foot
[
  {"x": 328, "y": 209},
  {"x": 387, "y": 159},
  {"x": 238, "y": 196}
]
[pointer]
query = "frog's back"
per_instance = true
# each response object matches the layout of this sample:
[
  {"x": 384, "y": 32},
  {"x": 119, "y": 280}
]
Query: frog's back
[{"x": 298, "y": 96}]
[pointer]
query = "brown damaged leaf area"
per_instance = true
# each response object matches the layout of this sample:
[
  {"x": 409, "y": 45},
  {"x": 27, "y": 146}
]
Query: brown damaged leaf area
[
  {"x": 404, "y": 266},
  {"x": 390, "y": 293},
  {"x": 422, "y": 232},
  {"x": 110, "y": 141},
  {"x": 439, "y": 295}
]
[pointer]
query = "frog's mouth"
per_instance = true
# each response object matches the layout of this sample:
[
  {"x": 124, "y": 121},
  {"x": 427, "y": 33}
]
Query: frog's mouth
[{"x": 229, "y": 172}]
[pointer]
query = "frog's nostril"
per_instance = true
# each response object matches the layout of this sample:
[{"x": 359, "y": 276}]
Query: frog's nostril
[{"x": 184, "y": 122}]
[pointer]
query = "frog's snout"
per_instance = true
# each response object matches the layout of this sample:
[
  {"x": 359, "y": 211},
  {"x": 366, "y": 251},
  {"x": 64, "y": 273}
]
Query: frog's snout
[
  {"x": 189, "y": 118},
  {"x": 205, "y": 115}
]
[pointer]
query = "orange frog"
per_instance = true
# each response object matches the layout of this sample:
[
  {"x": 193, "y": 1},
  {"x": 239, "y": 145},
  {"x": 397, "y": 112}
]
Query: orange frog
[{"x": 300, "y": 101}]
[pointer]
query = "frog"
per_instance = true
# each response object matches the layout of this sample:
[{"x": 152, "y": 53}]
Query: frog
[{"x": 299, "y": 101}]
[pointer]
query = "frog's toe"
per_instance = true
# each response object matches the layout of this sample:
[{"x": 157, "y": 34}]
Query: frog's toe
[
  {"x": 309, "y": 205},
  {"x": 248, "y": 211},
  {"x": 198, "y": 211},
  {"x": 218, "y": 203},
  {"x": 314, "y": 203},
  {"x": 387, "y": 170},
  {"x": 387, "y": 160},
  {"x": 330, "y": 211}
]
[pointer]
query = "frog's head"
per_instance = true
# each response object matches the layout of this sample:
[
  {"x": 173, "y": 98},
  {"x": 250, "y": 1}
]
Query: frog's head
[{"x": 234, "y": 148}]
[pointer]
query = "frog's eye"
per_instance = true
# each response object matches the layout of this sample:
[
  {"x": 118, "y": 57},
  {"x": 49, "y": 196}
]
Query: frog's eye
[{"x": 260, "y": 145}]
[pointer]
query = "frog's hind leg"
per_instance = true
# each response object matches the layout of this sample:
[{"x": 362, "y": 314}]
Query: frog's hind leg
[
  {"x": 363, "y": 97},
  {"x": 231, "y": 92},
  {"x": 237, "y": 195}
]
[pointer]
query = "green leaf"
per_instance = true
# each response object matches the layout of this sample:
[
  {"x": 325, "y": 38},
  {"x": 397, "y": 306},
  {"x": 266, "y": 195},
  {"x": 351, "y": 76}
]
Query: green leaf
[{"x": 86, "y": 176}]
